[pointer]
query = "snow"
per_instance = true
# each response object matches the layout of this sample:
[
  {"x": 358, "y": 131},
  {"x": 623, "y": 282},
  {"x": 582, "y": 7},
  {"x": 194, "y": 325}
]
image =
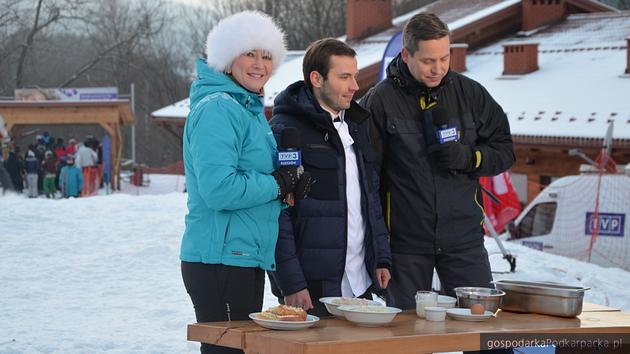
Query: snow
[
  {"x": 481, "y": 14},
  {"x": 102, "y": 274},
  {"x": 178, "y": 109},
  {"x": 579, "y": 85}
]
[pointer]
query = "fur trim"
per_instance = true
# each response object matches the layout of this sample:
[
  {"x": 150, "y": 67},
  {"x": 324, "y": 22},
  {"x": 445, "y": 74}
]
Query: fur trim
[{"x": 242, "y": 32}]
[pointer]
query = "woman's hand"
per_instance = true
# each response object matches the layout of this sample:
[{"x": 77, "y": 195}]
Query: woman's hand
[{"x": 286, "y": 178}]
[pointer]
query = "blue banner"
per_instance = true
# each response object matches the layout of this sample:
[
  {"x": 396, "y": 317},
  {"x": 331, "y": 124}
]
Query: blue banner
[
  {"x": 391, "y": 51},
  {"x": 106, "y": 148}
]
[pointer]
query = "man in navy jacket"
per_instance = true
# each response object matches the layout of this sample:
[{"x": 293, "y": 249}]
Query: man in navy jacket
[{"x": 334, "y": 243}]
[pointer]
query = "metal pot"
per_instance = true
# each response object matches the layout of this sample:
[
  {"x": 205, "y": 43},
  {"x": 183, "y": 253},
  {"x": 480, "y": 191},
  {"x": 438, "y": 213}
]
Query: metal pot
[
  {"x": 542, "y": 297},
  {"x": 489, "y": 298}
]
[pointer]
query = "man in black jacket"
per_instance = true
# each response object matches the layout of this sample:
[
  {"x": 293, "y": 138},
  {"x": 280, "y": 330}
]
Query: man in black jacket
[
  {"x": 334, "y": 243},
  {"x": 429, "y": 178}
]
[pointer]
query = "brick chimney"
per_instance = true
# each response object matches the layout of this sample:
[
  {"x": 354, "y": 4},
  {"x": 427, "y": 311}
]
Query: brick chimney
[
  {"x": 538, "y": 13},
  {"x": 458, "y": 56},
  {"x": 367, "y": 17},
  {"x": 628, "y": 55},
  {"x": 520, "y": 58}
]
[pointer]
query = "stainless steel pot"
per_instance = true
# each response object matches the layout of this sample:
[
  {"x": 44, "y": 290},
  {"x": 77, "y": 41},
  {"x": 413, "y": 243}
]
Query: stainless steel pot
[
  {"x": 541, "y": 297},
  {"x": 489, "y": 298}
]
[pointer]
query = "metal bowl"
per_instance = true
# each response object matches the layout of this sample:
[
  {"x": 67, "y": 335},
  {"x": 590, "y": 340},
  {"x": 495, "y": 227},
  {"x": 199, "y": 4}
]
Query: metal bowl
[{"x": 488, "y": 297}]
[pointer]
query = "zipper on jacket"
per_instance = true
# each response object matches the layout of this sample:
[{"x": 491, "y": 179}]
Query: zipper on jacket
[
  {"x": 483, "y": 212},
  {"x": 388, "y": 212}
]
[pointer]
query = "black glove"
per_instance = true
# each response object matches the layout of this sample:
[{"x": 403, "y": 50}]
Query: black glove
[
  {"x": 303, "y": 186},
  {"x": 286, "y": 178},
  {"x": 453, "y": 156}
]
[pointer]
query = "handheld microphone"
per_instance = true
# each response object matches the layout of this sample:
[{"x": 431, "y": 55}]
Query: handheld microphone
[
  {"x": 289, "y": 154},
  {"x": 444, "y": 132}
]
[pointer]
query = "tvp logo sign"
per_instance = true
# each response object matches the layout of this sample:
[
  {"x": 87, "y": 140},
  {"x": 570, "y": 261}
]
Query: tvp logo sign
[{"x": 610, "y": 224}]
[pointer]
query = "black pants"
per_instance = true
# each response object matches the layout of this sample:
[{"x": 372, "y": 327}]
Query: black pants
[
  {"x": 413, "y": 272},
  {"x": 214, "y": 287},
  {"x": 315, "y": 291}
]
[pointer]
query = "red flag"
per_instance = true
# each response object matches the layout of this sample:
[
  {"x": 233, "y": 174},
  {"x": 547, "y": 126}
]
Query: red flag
[{"x": 508, "y": 207}]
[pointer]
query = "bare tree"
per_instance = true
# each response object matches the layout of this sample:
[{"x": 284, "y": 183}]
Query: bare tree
[
  {"x": 115, "y": 29},
  {"x": 9, "y": 13},
  {"x": 46, "y": 14}
]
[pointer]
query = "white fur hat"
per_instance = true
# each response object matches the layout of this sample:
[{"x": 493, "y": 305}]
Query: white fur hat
[{"x": 242, "y": 32}]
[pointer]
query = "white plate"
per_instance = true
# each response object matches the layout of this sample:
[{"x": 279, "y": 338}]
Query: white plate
[
  {"x": 357, "y": 314},
  {"x": 285, "y": 325},
  {"x": 446, "y": 301},
  {"x": 465, "y": 315},
  {"x": 333, "y": 308}
]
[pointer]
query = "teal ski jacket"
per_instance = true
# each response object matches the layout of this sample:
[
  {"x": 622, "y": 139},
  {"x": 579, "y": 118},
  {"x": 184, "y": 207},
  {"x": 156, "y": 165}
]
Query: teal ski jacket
[{"x": 229, "y": 154}]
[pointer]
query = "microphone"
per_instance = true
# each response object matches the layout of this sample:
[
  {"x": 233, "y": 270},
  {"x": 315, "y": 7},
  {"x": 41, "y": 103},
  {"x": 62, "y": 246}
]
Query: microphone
[
  {"x": 289, "y": 154},
  {"x": 443, "y": 131}
]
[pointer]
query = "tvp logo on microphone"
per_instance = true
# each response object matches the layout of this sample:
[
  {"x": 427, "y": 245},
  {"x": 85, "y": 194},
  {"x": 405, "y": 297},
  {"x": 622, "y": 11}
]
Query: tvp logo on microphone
[
  {"x": 447, "y": 134},
  {"x": 289, "y": 158}
]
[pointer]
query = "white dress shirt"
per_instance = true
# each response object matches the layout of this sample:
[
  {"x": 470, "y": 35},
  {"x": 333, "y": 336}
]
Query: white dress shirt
[{"x": 356, "y": 279}]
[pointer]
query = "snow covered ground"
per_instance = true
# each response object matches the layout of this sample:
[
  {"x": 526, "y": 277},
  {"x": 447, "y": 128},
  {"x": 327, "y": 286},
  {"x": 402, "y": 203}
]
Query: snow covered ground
[{"x": 102, "y": 274}]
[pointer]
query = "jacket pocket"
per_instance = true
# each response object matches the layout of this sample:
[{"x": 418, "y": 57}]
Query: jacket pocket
[
  {"x": 469, "y": 131},
  {"x": 321, "y": 163},
  {"x": 369, "y": 158},
  {"x": 406, "y": 138}
]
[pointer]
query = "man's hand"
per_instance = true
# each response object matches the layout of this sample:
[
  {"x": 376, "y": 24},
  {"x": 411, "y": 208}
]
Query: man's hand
[
  {"x": 383, "y": 277},
  {"x": 452, "y": 156},
  {"x": 300, "y": 299}
]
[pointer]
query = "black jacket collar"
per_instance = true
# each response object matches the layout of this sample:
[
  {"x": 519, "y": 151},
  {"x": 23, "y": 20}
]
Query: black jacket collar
[
  {"x": 398, "y": 71},
  {"x": 298, "y": 100}
]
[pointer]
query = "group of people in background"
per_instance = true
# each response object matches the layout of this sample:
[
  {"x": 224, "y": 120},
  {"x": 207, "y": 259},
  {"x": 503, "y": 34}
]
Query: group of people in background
[{"x": 50, "y": 166}]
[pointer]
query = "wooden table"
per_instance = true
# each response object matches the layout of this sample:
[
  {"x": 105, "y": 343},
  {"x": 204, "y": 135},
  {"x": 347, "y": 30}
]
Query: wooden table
[{"x": 406, "y": 334}]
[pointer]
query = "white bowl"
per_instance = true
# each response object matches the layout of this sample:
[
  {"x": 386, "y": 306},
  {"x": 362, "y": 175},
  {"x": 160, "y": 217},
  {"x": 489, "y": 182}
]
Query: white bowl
[
  {"x": 369, "y": 316},
  {"x": 435, "y": 313},
  {"x": 333, "y": 307},
  {"x": 446, "y": 301}
]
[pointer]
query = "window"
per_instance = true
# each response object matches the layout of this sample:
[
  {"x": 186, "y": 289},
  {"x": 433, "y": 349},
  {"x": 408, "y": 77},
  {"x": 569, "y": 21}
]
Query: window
[{"x": 538, "y": 221}]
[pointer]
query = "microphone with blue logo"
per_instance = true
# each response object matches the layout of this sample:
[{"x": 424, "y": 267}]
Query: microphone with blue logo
[
  {"x": 443, "y": 131},
  {"x": 448, "y": 152},
  {"x": 290, "y": 159}
]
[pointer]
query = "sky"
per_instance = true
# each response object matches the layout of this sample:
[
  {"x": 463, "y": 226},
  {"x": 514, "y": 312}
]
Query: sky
[{"x": 102, "y": 274}]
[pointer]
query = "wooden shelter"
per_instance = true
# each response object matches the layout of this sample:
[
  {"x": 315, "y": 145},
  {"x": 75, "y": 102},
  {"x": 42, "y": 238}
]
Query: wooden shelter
[{"x": 109, "y": 114}]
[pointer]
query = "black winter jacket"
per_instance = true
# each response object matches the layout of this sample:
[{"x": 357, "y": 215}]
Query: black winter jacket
[
  {"x": 430, "y": 210},
  {"x": 313, "y": 235}
]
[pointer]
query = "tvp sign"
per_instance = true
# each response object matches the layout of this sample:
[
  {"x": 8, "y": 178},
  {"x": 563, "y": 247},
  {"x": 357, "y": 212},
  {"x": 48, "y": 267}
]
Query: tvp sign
[{"x": 610, "y": 224}]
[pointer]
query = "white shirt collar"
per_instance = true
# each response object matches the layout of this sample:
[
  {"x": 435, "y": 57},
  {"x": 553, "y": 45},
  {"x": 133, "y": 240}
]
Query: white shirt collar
[{"x": 333, "y": 116}]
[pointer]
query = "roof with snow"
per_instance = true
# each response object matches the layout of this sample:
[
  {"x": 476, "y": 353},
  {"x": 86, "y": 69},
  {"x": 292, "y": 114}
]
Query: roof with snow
[{"x": 580, "y": 85}]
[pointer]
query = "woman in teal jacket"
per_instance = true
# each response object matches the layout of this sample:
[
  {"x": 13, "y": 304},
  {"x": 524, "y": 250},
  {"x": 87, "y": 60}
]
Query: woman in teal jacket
[{"x": 234, "y": 191}]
